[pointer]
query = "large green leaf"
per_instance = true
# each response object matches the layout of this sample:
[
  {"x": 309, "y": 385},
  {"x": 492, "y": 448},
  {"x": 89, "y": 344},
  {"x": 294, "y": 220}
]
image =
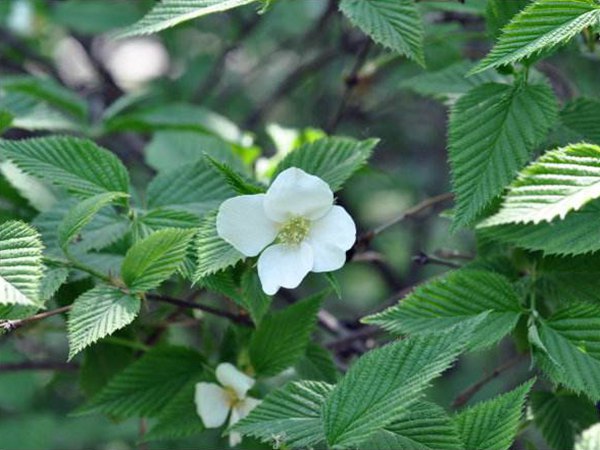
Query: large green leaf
[
  {"x": 94, "y": 16},
  {"x": 81, "y": 214},
  {"x": 492, "y": 425},
  {"x": 76, "y": 164},
  {"x": 561, "y": 416},
  {"x": 196, "y": 188},
  {"x": 151, "y": 261},
  {"x": 500, "y": 12},
  {"x": 99, "y": 313},
  {"x": 290, "y": 415},
  {"x": 213, "y": 253},
  {"x": 168, "y": 13},
  {"x": 425, "y": 427},
  {"x": 147, "y": 386},
  {"x": 582, "y": 115},
  {"x": 542, "y": 25},
  {"x": 281, "y": 338},
  {"x": 493, "y": 130},
  {"x": 317, "y": 364},
  {"x": 20, "y": 264},
  {"x": 384, "y": 383},
  {"x": 331, "y": 159},
  {"x": 453, "y": 299},
  {"x": 567, "y": 278},
  {"x": 559, "y": 182},
  {"x": 395, "y": 24},
  {"x": 571, "y": 348}
]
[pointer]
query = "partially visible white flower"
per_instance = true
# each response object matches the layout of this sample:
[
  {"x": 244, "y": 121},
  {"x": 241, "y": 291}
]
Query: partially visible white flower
[
  {"x": 20, "y": 18},
  {"x": 589, "y": 439},
  {"x": 297, "y": 216},
  {"x": 214, "y": 402}
]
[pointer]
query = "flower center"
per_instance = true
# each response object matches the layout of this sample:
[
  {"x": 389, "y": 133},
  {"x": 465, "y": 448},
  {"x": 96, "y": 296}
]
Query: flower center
[
  {"x": 232, "y": 396},
  {"x": 294, "y": 231}
]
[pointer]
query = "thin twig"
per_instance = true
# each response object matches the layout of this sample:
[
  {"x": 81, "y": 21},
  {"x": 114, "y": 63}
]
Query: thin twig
[
  {"x": 469, "y": 392},
  {"x": 41, "y": 365},
  {"x": 10, "y": 325},
  {"x": 363, "y": 333},
  {"x": 237, "y": 318},
  {"x": 424, "y": 259}
]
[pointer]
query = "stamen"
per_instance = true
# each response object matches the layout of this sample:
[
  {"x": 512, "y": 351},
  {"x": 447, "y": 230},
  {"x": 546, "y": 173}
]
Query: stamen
[{"x": 294, "y": 231}]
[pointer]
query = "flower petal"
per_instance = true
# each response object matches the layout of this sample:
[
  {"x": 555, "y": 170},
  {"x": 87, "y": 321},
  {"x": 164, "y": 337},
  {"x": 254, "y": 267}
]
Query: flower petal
[
  {"x": 229, "y": 376},
  {"x": 282, "y": 265},
  {"x": 242, "y": 222},
  {"x": 238, "y": 412},
  {"x": 212, "y": 404},
  {"x": 330, "y": 237},
  {"x": 296, "y": 193}
]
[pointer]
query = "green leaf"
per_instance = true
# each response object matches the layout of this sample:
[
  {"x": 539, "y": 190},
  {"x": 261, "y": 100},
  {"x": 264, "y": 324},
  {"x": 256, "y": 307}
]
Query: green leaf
[
  {"x": 39, "y": 194},
  {"x": 281, "y": 338},
  {"x": 20, "y": 264},
  {"x": 569, "y": 278},
  {"x": 290, "y": 414},
  {"x": 179, "y": 418},
  {"x": 157, "y": 219},
  {"x": 425, "y": 427},
  {"x": 561, "y": 416},
  {"x": 560, "y": 181},
  {"x": 99, "y": 313},
  {"x": 449, "y": 301},
  {"x": 493, "y": 130},
  {"x": 52, "y": 281},
  {"x": 577, "y": 234},
  {"x": 147, "y": 386},
  {"x": 500, "y": 12},
  {"x": 572, "y": 350},
  {"x": 101, "y": 363},
  {"x": 542, "y": 25},
  {"x": 492, "y": 425},
  {"x": 151, "y": 261},
  {"x": 81, "y": 214},
  {"x": 214, "y": 253},
  {"x": 385, "y": 382},
  {"x": 240, "y": 184},
  {"x": 169, "y": 13},
  {"x": 394, "y": 24},
  {"x": 6, "y": 119},
  {"x": 196, "y": 188},
  {"x": 317, "y": 365},
  {"x": 76, "y": 164},
  {"x": 94, "y": 16},
  {"x": 172, "y": 149},
  {"x": 582, "y": 115},
  {"x": 331, "y": 159},
  {"x": 253, "y": 298}
]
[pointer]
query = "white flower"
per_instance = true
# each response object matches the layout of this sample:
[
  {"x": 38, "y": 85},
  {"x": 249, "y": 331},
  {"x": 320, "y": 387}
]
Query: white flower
[
  {"x": 214, "y": 402},
  {"x": 294, "y": 224}
]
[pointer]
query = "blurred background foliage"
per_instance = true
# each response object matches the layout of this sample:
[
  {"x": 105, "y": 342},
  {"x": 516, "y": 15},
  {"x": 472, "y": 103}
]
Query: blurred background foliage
[{"x": 284, "y": 75}]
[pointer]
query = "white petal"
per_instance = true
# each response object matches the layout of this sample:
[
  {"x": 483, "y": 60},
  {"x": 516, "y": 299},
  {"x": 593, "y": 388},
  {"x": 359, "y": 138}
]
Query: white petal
[
  {"x": 234, "y": 438},
  {"x": 212, "y": 404},
  {"x": 330, "y": 237},
  {"x": 248, "y": 404},
  {"x": 229, "y": 376},
  {"x": 284, "y": 265},
  {"x": 238, "y": 412},
  {"x": 242, "y": 222},
  {"x": 296, "y": 193}
]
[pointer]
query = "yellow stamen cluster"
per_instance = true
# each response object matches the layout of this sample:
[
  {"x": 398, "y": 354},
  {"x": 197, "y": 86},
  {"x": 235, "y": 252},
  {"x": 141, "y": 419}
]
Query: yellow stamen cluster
[{"x": 294, "y": 231}]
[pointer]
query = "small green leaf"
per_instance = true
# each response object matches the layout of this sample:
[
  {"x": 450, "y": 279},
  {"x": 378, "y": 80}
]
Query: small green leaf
[
  {"x": 151, "y": 261},
  {"x": 240, "y": 184},
  {"x": 281, "y": 338},
  {"x": 394, "y": 24},
  {"x": 317, "y": 365},
  {"x": 253, "y": 297},
  {"x": 331, "y": 159},
  {"x": 99, "y": 313},
  {"x": 81, "y": 214}
]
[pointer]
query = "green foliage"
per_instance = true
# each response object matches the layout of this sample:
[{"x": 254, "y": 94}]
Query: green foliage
[
  {"x": 561, "y": 279},
  {"x": 99, "y": 313},
  {"x": 154, "y": 259},
  {"x": 560, "y": 417},
  {"x": 281, "y": 338},
  {"x": 94, "y": 16},
  {"x": 20, "y": 264},
  {"x": 582, "y": 115},
  {"x": 169, "y": 13},
  {"x": 559, "y": 182},
  {"x": 317, "y": 364},
  {"x": 290, "y": 414},
  {"x": 252, "y": 296},
  {"x": 382, "y": 384},
  {"x": 542, "y": 25},
  {"x": 396, "y": 25},
  {"x": 147, "y": 386},
  {"x": 493, "y": 130},
  {"x": 492, "y": 425},
  {"x": 499, "y": 12},
  {"x": 78, "y": 165},
  {"x": 571, "y": 352},
  {"x": 331, "y": 159},
  {"x": 451, "y": 300},
  {"x": 425, "y": 426}
]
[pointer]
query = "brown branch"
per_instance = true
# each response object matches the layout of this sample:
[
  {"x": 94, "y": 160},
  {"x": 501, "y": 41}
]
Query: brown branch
[
  {"x": 424, "y": 259},
  {"x": 466, "y": 395},
  {"x": 363, "y": 333},
  {"x": 237, "y": 318},
  {"x": 10, "y": 325},
  {"x": 41, "y": 365}
]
